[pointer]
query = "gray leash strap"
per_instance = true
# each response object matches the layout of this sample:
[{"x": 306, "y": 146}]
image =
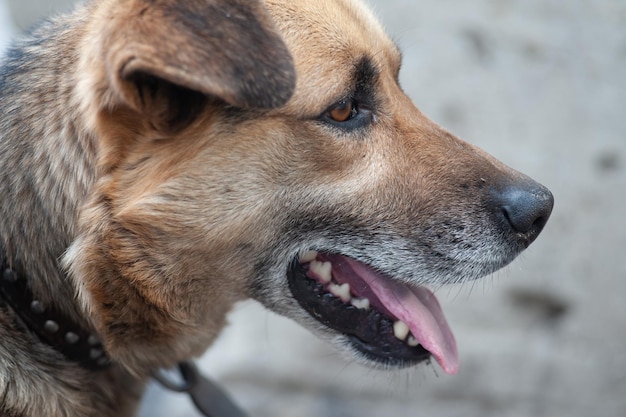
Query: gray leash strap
[{"x": 208, "y": 397}]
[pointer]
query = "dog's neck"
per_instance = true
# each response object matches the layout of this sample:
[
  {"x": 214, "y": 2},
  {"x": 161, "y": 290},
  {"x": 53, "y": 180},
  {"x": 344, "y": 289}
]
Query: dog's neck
[
  {"x": 45, "y": 174},
  {"x": 37, "y": 223},
  {"x": 43, "y": 180}
]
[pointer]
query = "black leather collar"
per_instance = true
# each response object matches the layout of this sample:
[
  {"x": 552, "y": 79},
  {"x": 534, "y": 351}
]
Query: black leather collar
[{"x": 48, "y": 324}]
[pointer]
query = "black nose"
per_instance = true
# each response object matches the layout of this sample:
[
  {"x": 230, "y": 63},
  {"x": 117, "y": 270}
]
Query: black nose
[{"x": 524, "y": 207}]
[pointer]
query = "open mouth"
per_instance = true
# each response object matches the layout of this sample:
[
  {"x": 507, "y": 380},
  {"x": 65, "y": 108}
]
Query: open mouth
[{"x": 387, "y": 321}]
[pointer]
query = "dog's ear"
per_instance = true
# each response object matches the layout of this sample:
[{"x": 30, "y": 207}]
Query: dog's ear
[{"x": 165, "y": 56}]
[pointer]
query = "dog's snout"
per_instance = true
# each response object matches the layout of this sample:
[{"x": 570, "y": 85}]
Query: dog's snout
[{"x": 525, "y": 207}]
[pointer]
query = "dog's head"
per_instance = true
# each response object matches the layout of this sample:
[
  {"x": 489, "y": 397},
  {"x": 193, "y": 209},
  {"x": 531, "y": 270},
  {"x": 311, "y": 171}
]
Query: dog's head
[{"x": 336, "y": 206}]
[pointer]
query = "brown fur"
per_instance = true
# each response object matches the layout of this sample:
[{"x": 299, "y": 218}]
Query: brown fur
[{"x": 157, "y": 148}]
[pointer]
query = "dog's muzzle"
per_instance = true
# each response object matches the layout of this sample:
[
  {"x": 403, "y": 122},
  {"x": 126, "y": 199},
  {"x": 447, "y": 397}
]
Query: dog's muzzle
[{"x": 395, "y": 324}]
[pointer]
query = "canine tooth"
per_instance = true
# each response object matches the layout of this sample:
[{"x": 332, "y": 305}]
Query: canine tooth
[
  {"x": 400, "y": 330},
  {"x": 342, "y": 291},
  {"x": 307, "y": 256},
  {"x": 412, "y": 341},
  {"x": 361, "y": 303}
]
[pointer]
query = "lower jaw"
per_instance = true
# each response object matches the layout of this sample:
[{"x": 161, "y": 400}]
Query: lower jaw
[{"x": 369, "y": 332}]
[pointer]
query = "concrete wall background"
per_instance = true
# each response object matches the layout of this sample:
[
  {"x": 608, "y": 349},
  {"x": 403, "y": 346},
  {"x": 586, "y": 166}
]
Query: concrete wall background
[{"x": 541, "y": 85}]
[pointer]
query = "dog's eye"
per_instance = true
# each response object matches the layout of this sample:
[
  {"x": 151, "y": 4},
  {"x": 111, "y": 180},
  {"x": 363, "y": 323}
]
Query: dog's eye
[
  {"x": 343, "y": 111},
  {"x": 348, "y": 115}
]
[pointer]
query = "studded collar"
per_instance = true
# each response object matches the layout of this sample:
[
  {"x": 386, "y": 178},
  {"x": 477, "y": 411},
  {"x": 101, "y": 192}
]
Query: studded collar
[{"x": 48, "y": 324}]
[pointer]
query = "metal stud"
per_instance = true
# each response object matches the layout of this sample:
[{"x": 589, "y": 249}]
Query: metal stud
[
  {"x": 71, "y": 337},
  {"x": 9, "y": 275},
  {"x": 36, "y": 307},
  {"x": 93, "y": 340},
  {"x": 51, "y": 326},
  {"x": 95, "y": 353}
]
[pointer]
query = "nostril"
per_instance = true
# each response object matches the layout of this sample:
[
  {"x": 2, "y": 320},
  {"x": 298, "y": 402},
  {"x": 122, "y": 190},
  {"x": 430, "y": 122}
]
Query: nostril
[
  {"x": 520, "y": 220},
  {"x": 526, "y": 207}
]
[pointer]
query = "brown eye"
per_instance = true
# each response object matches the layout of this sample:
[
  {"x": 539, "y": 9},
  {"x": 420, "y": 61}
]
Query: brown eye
[
  {"x": 348, "y": 115},
  {"x": 343, "y": 111}
]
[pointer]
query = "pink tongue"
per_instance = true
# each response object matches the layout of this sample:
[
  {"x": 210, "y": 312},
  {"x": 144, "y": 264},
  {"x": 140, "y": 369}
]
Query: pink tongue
[{"x": 419, "y": 309}]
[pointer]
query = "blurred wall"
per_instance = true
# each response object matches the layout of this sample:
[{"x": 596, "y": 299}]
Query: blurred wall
[{"x": 26, "y": 13}]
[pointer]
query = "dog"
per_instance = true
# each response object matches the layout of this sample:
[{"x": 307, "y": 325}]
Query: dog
[{"x": 161, "y": 160}]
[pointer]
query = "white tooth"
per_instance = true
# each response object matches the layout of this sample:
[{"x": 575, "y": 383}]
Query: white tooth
[
  {"x": 361, "y": 303},
  {"x": 307, "y": 256},
  {"x": 412, "y": 341},
  {"x": 322, "y": 270},
  {"x": 342, "y": 291},
  {"x": 400, "y": 330}
]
